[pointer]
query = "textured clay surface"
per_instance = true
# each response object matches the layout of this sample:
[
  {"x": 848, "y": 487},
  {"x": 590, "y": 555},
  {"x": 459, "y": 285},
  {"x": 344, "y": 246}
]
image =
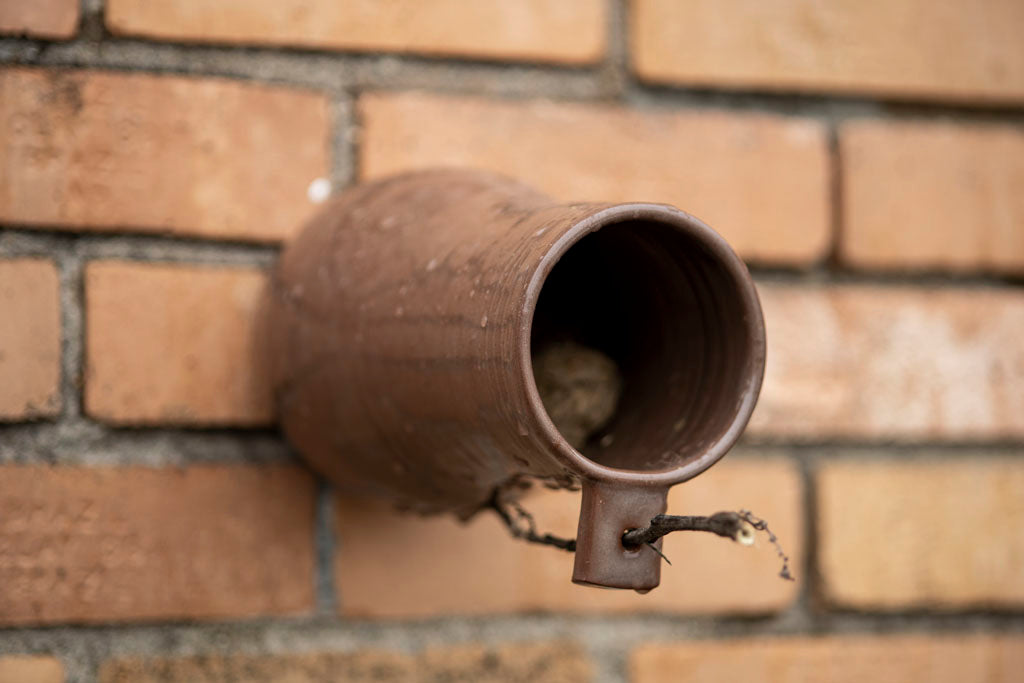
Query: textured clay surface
[
  {"x": 29, "y": 339},
  {"x": 932, "y": 195},
  {"x": 717, "y": 166},
  {"x": 91, "y": 150},
  {"x": 956, "y": 50},
  {"x": 30, "y": 669},
  {"x": 852, "y": 659},
  {"x": 135, "y": 544},
  {"x": 892, "y": 362},
  {"x": 922, "y": 534},
  {"x": 570, "y": 31},
  {"x": 174, "y": 344},
  {"x": 40, "y": 18}
]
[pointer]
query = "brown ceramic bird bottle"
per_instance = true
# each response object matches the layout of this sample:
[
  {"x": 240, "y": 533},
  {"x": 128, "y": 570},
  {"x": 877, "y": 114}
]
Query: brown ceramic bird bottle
[{"x": 407, "y": 317}]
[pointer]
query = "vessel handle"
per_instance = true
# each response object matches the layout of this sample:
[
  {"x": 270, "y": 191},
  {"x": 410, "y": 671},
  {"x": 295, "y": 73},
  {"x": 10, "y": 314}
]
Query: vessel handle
[{"x": 607, "y": 511}]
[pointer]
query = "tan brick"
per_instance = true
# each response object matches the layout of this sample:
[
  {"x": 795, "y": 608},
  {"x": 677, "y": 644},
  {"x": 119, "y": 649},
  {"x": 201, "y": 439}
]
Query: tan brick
[
  {"x": 922, "y": 534},
  {"x": 552, "y": 662},
  {"x": 711, "y": 164},
  {"x": 838, "y": 659},
  {"x": 158, "y": 154},
  {"x": 959, "y": 50},
  {"x": 570, "y": 31},
  {"x": 874, "y": 362},
  {"x": 40, "y": 18},
  {"x": 29, "y": 339},
  {"x": 133, "y": 543},
  {"x": 932, "y": 195},
  {"x": 392, "y": 565},
  {"x": 30, "y": 669},
  {"x": 174, "y": 344},
  {"x": 366, "y": 666}
]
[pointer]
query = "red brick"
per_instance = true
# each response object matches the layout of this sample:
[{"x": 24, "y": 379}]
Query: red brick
[
  {"x": 956, "y": 50},
  {"x": 40, "y": 18},
  {"x": 132, "y": 543},
  {"x": 174, "y": 344},
  {"x": 712, "y": 164},
  {"x": 392, "y": 565},
  {"x": 158, "y": 154},
  {"x": 932, "y": 195},
  {"x": 571, "y": 31},
  {"x": 922, "y": 534},
  {"x": 30, "y": 669},
  {"x": 874, "y": 362},
  {"x": 29, "y": 339},
  {"x": 838, "y": 659},
  {"x": 552, "y": 662}
]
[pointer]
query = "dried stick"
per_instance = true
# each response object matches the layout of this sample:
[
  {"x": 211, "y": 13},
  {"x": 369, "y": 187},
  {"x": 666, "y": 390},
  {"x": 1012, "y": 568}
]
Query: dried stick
[
  {"x": 728, "y": 524},
  {"x": 739, "y": 526},
  {"x": 529, "y": 532}
]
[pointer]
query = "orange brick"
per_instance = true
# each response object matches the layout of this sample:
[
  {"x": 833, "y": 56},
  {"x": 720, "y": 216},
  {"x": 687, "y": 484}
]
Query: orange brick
[
  {"x": 125, "y": 544},
  {"x": 552, "y": 662},
  {"x": 571, "y": 31},
  {"x": 932, "y": 195},
  {"x": 363, "y": 666},
  {"x": 921, "y": 534},
  {"x": 204, "y": 157},
  {"x": 393, "y": 565},
  {"x": 961, "y": 50},
  {"x": 838, "y": 659},
  {"x": 873, "y": 362},
  {"x": 29, "y": 339},
  {"x": 174, "y": 344},
  {"x": 29, "y": 669},
  {"x": 711, "y": 164},
  {"x": 40, "y": 18}
]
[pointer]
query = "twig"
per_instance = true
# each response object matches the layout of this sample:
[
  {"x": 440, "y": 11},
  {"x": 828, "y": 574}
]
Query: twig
[
  {"x": 761, "y": 525},
  {"x": 728, "y": 524},
  {"x": 660, "y": 554},
  {"x": 529, "y": 533},
  {"x": 739, "y": 526}
]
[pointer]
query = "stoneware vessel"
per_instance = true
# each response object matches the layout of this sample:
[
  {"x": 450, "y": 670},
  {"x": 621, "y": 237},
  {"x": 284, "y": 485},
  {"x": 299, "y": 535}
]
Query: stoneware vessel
[{"x": 403, "y": 321}]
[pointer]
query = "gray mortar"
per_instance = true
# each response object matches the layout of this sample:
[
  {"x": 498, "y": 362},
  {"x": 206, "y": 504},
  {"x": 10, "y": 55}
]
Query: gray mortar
[
  {"x": 607, "y": 639},
  {"x": 324, "y": 588},
  {"x": 327, "y": 71},
  {"x": 343, "y": 142}
]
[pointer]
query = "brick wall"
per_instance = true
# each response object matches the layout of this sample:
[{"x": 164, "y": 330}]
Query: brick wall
[{"x": 867, "y": 159}]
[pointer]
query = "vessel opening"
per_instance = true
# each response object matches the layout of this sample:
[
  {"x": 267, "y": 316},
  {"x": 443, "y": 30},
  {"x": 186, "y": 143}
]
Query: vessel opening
[{"x": 641, "y": 348}]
